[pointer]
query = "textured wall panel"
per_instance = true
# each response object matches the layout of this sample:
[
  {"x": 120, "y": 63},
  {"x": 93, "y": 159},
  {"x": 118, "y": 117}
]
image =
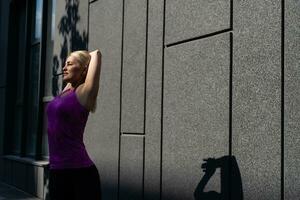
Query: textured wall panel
[
  {"x": 133, "y": 80},
  {"x": 35, "y": 180},
  {"x": 192, "y": 18},
  {"x": 31, "y": 179},
  {"x": 257, "y": 96},
  {"x": 153, "y": 100},
  {"x": 292, "y": 100},
  {"x": 195, "y": 113},
  {"x": 102, "y": 131},
  {"x": 131, "y": 168}
]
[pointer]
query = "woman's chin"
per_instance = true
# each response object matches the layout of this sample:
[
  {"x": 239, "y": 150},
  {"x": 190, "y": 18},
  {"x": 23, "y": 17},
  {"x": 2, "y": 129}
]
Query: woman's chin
[{"x": 65, "y": 79}]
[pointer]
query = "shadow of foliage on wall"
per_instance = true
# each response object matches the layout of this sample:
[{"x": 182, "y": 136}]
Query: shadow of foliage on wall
[{"x": 71, "y": 38}]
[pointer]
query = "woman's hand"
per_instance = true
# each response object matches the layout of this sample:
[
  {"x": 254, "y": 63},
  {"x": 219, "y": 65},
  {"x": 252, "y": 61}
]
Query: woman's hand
[
  {"x": 92, "y": 79},
  {"x": 97, "y": 51}
]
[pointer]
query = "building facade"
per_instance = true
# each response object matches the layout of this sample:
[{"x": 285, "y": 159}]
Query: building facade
[{"x": 181, "y": 81}]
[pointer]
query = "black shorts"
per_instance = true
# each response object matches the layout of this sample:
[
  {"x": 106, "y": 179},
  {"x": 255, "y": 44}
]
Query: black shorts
[{"x": 74, "y": 184}]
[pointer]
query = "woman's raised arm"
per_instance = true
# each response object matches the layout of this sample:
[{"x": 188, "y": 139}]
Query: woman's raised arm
[{"x": 91, "y": 85}]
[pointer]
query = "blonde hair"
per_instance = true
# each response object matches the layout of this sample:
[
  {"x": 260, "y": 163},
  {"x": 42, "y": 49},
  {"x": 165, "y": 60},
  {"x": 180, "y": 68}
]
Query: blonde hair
[{"x": 84, "y": 57}]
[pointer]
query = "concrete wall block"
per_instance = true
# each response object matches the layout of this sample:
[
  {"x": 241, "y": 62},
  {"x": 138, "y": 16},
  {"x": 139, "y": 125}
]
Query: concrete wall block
[
  {"x": 31, "y": 179},
  {"x": 195, "y": 113},
  {"x": 257, "y": 96},
  {"x": 40, "y": 182},
  {"x": 102, "y": 130},
  {"x": 35, "y": 180},
  {"x": 133, "y": 77},
  {"x": 153, "y": 100},
  {"x": 292, "y": 99},
  {"x": 131, "y": 167},
  {"x": 193, "y": 18}
]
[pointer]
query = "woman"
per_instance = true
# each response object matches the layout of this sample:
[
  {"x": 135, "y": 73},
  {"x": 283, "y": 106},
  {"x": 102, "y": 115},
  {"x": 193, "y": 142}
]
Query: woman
[{"x": 73, "y": 175}]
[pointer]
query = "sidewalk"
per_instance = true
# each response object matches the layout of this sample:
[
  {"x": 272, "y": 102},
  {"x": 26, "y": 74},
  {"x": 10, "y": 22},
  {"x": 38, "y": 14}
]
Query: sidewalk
[{"x": 8, "y": 192}]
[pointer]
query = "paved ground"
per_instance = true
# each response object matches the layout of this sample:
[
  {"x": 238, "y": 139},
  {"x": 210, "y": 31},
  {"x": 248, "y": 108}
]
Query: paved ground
[{"x": 8, "y": 192}]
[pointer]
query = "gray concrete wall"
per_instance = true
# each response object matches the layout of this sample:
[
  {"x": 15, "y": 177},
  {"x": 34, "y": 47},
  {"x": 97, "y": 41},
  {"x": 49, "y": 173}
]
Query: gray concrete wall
[
  {"x": 292, "y": 99},
  {"x": 153, "y": 100},
  {"x": 103, "y": 127},
  {"x": 187, "y": 80},
  {"x": 182, "y": 81},
  {"x": 257, "y": 96}
]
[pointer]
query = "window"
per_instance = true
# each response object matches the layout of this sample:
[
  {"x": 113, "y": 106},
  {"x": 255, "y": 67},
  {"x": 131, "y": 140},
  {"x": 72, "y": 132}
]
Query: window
[
  {"x": 48, "y": 70},
  {"x": 30, "y": 42},
  {"x": 15, "y": 78},
  {"x": 34, "y": 69}
]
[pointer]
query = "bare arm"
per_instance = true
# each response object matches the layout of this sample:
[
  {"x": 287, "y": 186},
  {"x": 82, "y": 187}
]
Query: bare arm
[{"x": 91, "y": 85}]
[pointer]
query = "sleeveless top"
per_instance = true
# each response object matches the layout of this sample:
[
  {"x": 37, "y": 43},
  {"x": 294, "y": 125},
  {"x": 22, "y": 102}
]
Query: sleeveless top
[{"x": 66, "y": 123}]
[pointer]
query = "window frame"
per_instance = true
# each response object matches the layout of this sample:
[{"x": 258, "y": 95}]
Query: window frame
[{"x": 24, "y": 149}]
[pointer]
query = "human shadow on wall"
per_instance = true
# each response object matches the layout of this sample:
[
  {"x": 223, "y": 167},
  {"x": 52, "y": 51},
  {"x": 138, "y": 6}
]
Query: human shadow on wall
[
  {"x": 231, "y": 182},
  {"x": 72, "y": 40}
]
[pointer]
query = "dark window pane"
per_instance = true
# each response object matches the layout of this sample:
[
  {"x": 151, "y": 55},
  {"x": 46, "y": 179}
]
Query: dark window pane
[
  {"x": 45, "y": 150},
  {"x": 17, "y": 131},
  {"x": 53, "y": 19},
  {"x": 48, "y": 70},
  {"x": 33, "y": 100},
  {"x": 37, "y": 23},
  {"x": 16, "y": 57}
]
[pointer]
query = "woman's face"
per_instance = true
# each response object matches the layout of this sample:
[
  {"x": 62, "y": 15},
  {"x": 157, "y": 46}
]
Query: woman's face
[{"x": 72, "y": 70}]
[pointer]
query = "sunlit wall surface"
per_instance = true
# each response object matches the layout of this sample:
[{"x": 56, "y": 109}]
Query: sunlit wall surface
[{"x": 182, "y": 81}]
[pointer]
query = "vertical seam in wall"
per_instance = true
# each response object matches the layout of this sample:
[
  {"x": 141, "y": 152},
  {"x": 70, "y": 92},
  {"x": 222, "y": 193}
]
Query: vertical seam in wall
[
  {"x": 230, "y": 110},
  {"x": 230, "y": 85},
  {"x": 231, "y": 14},
  {"x": 230, "y": 99},
  {"x": 282, "y": 98},
  {"x": 162, "y": 98},
  {"x": 146, "y": 52},
  {"x": 120, "y": 117},
  {"x": 143, "y": 183},
  {"x": 145, "y": 95},
  {"x": 88, "y": 26}
]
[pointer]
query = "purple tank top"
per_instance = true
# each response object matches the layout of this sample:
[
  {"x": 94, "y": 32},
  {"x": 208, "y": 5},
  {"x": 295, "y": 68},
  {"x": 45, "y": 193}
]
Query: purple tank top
[{"x": 66, "y": 123}]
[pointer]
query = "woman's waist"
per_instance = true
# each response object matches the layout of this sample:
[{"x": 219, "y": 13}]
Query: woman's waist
[{"x": 69, "y": 158}]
